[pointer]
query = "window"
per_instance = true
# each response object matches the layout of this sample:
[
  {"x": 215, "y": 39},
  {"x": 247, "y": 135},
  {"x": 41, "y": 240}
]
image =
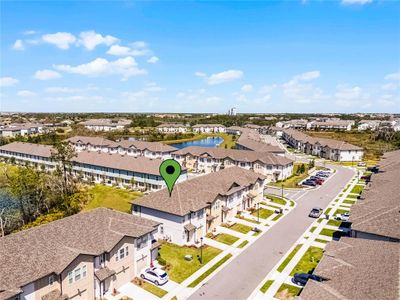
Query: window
[
  {"x": 70, "y": 277},
  {"x": 77, "y": 274},
  {"x": 84, "y": 271},
  {"x": 122, "y": 253},
  {"x": 51, "y": 279}
]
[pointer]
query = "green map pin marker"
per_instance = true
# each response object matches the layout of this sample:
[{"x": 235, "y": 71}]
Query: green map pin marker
[{"x": 170, "y": 170}]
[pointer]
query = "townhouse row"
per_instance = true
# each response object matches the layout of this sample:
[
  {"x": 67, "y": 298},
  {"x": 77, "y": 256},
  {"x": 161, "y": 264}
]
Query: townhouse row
[
  {"x": 197, "y": 206},
  {"x": 365, "y": 265},
  {"x": 105, "y": 124},
  {"x": 324, "y": 124},
  {"x": 199, "y": 128},
  {"x": 124, "y": 147},
  {"x": 325, "y": 148},
  {"x": 14, "y": 130},
  {"x": 139, "y": 172},
  {"x": 81, "y": 257},
  {"x": 206, "y": 160}
]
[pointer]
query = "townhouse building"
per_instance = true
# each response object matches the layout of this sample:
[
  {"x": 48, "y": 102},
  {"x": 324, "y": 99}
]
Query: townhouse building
[
  {"x": 368, "y": 125},
  {"x": 296, "y": 124},
  {"x": 198, "y": 205},
  {"x": 340, "y": 125},
  {"x": 13, "y": 130},
  {"x": 139, "y": 173},
  {"x": 124, "y": 147},
  {"x": 236, "y": 130},
  {"x": 372, "y": 247},
  {"x": 105, "y": 124},
  {"x": 208, "y": 128},
  {"x": 322, "y": 147},
  {"x": 206, "y": 160},
  {"x": 172, "y": 128},
  {"x": 84, "y": 256}
]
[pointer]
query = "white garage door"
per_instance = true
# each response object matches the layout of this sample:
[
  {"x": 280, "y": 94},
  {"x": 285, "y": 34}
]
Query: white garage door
[{"x": 141, "y": 264}]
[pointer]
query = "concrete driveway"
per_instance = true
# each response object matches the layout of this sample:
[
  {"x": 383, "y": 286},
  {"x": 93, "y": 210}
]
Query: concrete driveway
[{"x": 242, "y": 275}]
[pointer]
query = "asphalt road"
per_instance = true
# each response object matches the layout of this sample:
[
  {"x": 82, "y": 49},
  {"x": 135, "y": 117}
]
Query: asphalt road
[{"x": 241, "y": 276}]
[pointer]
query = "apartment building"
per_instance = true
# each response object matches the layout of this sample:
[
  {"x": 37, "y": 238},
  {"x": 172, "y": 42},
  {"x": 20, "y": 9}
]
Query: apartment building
[
  {"x": 341, "y": 125},
  {"x": 198, "y": 205},
  {"x": 296, "y": 124},
  {"x": 124, "y": 147},
  {"x": 234, "y": 130},
  {"x": 208, "y": 128},
  {"x": 105, "y": 124},
  {"x": 84, "y": 256},
  {"x": 325, "y": 148},
  {"x": 368, "y": 125},
  {"x": 13, "y": 130},
  {"x": 207, "y": 160},
  {"x": 365, "y": 265},
  {"x": 172, "y": 128},
  {"x": 140, "y": 172}
]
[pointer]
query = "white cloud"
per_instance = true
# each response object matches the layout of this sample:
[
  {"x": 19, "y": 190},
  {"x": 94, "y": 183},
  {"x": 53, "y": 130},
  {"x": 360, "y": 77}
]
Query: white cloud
[
  {"x": 307, "y": 76},
  {"x": 25, "y": 93},
  {"x": 126, "y": 67},
  {"x": 91, "y": 39},
  {"x": 153, "y": 60},
  {"x": 247, "y": 88},
  {"x": 30, "y": 32},
  {"x": 390, "y": 86},
  {"x": 221, "y": 77},
  {"x": 137, "y": 49},
  {"x": 61, "y": 40},
  {"x": 57, "y": 89},
  {"x": 359, "y": 2},
  {"x": 18, "y": 45},
  {"x": 8, "y": 81},
  {"x": 393, "y": 76},
  {"x": 76, "y": 98},
  {"x": 152, "y": 87},
  {"x": 266, "y": 89},
  {"x": 46, "y": 75}
]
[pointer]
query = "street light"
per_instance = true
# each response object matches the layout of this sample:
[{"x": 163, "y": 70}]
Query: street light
[
  {"x": 282, "y": 191},
  {"x": 201, "y": 250},
  {"x": 258, "y": 212}
]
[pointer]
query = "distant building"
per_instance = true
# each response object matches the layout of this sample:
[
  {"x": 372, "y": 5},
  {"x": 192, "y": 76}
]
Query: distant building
[
  {"x": 208, "y": 128},
  {"x": 368, "y": 125},
  {"x": 343, "y": 125},
  {"x": 24, "y": 129},
  {"x": 172, "y": 128},
  {"x": 232, "y": 112},
  {"x": 296, "y": 124},
  {"x": 105, "y": 124}
]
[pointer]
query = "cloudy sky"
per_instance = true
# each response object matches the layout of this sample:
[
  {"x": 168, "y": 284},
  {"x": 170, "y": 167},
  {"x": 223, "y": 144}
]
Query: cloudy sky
[{"x": 265, "y": 56}]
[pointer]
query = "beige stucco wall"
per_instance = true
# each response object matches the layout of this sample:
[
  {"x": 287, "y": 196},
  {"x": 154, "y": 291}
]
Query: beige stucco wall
[{"x": 42, "y": 286}]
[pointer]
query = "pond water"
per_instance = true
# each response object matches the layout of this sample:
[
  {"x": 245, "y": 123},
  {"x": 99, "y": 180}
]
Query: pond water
[{"x": 210, "y": 142}]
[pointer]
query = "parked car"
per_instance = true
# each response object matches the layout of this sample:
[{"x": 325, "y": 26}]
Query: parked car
[
  {"x": 343, "y": 217},
  {"x": 319, "y": 181},
  {"x": 315, "y": 212},
  {"x": 361, "y": 164},
  {"x": 309, "y": 183},
  {"x": 374, "y": 169},
  {"x": 302, "y": 278},
  {"x": 155, "y": 275},
  {"x": 323, "y": 175}
]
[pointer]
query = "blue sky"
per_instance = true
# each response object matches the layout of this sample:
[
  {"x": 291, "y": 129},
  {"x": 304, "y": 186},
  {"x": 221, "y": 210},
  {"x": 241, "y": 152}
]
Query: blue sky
[{"x": 265, "y": 56}]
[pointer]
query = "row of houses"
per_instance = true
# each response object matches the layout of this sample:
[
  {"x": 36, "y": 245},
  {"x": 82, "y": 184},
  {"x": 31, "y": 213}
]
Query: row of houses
[
  {"x": 23, "y": 129},
  {"x": 322, "y": 147},
  {"x": 365, "y": 265},
  {"x": 207, "y": 160},
  {"x": 202, "y": 128},
  {"x": 198, "y": 205},
  {"x": 105, "y": 124},
  {"x": 123, "y": 147},
  {"x": 84, "y": 256},
  {"x": 138, "y": 172},
  {"x": 324, "y": 124},
  {"x": 392, "y": 124}
]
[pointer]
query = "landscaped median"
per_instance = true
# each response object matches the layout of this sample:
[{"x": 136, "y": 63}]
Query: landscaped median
[
  {"x": 309, "y": 261},
  {"x": 289, "y": 258},
  {"x": 151, "y": 288},
  {"x": 209, "y": 271}
]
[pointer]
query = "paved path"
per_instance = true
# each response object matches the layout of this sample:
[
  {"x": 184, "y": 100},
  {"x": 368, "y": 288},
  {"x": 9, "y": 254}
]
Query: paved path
[{"x": 242, "y": 275}]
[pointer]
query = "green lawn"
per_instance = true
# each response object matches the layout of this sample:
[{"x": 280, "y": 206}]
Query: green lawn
[
  {"x": 289, "y": 257},
  {"x": 210, "y": 270},
  {"x": 287, "y": 292},
  {"x": 264, "y": 213},
  {"x": 328, "y": 210},
  {"x": 242, "y": 244},
  {"x": 107, "y": 196},
  {"x": 334, "y": 223},
  {"x": 309, "y": 261},
  {"x": 276, "y": 199},
  {"x": 352, "y": 196},
  {"x": 357, "y": 189},
  {"x": 240, "y": 228},
  {"x": 226, "y": 238},
  {"x": 257, "y": 233},
  {"x": 327, "y": 232},
  {"x": 313, "y": 229},
  {"x": 293, "y": 181},
  {"x": 155, "y": 290},
  {"x": 266, "y": 286},
  {"x": 321, "y": 241},
  {"x": 349, "y": 201},
  {"x": 291, "y": 203},
  {"x": 277, "y": 217},
  {"x": 340, "y": 211},
  {"x": 177, "y": 267}
]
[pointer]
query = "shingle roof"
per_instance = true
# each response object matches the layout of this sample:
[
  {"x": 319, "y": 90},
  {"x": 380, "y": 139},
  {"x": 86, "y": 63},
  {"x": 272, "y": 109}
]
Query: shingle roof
[
  {"x": 138, "y": 164},
  {"x": 237, "y": 155},
  {"x": 207, "y": 125},
  {"x": 106, "y": 122},
  {"x": 356, "y": 269},
  {"x": 33, "y": 253},
  {"x": 199, "y": 192},
  {"x": 177, "y": 125}
]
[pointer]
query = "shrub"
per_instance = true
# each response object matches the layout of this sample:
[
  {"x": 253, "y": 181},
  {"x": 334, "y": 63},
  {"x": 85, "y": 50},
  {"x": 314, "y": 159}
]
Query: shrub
[{"x": 161, "y": 260}]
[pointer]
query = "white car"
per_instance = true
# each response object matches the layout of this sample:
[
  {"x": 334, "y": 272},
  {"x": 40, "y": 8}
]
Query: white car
[
  {"x": 343, "y": 217},
  {"x": 155, "y": 275},
  {"x": 361, "y": 164}
]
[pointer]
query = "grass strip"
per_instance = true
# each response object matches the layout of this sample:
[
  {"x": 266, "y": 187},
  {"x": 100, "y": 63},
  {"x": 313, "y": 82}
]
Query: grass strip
[
  {"x": 210, "y": 270},
  {"x": 289, "y": 257}
]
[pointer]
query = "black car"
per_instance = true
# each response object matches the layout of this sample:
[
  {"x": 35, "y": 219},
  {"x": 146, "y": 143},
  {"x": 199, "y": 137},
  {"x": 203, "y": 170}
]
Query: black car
[
  {"x": 309, "y": 182},
  {"x": 302, "y": 278}
]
